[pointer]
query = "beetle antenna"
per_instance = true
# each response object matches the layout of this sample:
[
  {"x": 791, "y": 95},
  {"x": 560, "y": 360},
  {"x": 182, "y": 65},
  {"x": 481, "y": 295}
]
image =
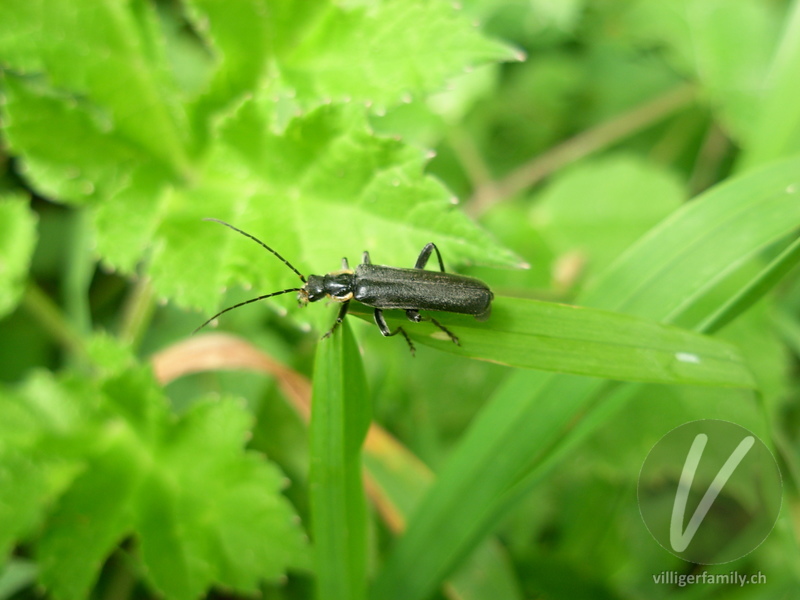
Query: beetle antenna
[
  {"x": 222, "y": 312},
  {"x": 255, "y": 239}
]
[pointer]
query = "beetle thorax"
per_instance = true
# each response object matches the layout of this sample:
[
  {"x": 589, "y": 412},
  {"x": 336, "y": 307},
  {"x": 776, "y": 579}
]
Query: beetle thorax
[{"x": 338, "y": 286}]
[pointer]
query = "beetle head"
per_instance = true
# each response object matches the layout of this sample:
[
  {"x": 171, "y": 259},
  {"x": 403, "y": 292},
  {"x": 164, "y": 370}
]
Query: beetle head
[{"x": 313, "y": 290}]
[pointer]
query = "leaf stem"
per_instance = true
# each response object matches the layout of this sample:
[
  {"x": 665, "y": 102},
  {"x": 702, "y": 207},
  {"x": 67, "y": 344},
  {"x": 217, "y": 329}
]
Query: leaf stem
[{"x": 585, "y": 143}]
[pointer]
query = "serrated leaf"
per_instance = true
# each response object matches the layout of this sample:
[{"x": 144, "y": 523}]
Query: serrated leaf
[
  {"x": 210, "y": 515},
  {"x": 126, "y": 222},
  {"x": 17, "y": 241},
  {"x": 108, "y": 52},
  {"x": 238, "y": 34},
  {"x": 126, "y": 144},
  {"x": 30, "y": 481},
  {"x": 326, "y": 187},
  {"x": 381, "y": 53},
  {"x": 36, "y": 461},
  {"x": 91, "y": 518},
  {"x": 85, "y": 161},
  {"x": 104, "y": 460}
]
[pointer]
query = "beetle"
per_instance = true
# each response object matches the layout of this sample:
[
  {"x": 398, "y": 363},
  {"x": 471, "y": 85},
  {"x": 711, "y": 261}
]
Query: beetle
[{"x": 382, "y": 288}]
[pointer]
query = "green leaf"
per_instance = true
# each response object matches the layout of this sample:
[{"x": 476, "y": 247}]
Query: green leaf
[
  {"x": 90, "y": 519},
  {"x": 210, "y": 514},
  {"x": 17, "y": 241},
  {"x": 401, "y": 479},
  {"x": 238, "y": 35},
  {"x": 127, "y": 221},
  {"x": 584, "y": 341},
  {"x": 532, "y": 415},
  {"x": 87, "y": 161},
  {"x": 597, "y": 210},
  {"x": 109, "y": 53},
  {"x": 15, "y": 576},
  {"x": 93, "y": 471},
  {"x": 726, "y": 47},
  {"x": 153, "y": 159},
  {"x": 340, "y": 416},
  {"x": 93, "y": 462},
  {"x": 31, "y": 477},
  {"x": 379, "y": 54},
  {"x": 756, "y": 289},
  {"x": 776, "y": 130},
  {"x": 682, "y": 259},
  {"x": 298, "y": 191}
]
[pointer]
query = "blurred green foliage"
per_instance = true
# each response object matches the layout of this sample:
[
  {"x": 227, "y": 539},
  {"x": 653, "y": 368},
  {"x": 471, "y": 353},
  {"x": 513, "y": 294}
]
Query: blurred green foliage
[{"x": 637, "y": 156}]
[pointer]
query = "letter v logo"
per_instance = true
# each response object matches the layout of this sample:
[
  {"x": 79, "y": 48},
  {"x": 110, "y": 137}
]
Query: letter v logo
[
  {"x": 737, "y": 510},
  {"x": 680, "y": 540}
]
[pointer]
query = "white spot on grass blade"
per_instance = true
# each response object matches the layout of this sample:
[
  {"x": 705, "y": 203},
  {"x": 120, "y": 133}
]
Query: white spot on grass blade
[{"x": 688, "y": 357}]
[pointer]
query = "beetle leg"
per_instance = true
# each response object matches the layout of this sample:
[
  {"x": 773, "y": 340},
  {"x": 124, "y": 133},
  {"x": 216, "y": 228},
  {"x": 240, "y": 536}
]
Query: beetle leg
[
  {"x": 384, "y": 327},
  {"x": 339, "y": 319},
  {"x": 426, "y": 254},
  {"x": 345, "y": 264},
  {"x": 449, "y": 333},
  {"x": 413, "y": 315},
  {"x": 365, "y": 258}
]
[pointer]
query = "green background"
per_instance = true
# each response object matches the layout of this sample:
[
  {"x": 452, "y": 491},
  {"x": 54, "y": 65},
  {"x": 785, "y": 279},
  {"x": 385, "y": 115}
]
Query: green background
[{"x": 624, "y": 175}]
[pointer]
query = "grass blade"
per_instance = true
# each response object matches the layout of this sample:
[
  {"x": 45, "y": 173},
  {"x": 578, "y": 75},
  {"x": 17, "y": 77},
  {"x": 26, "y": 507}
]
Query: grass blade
[
  {"x": 755, "y": 290},
  {"x": 340, "y": 416},
  {"x": 682, "y": 259},
  {"x": 667, "y": 273},
  {"x": 585, "y": 341}
]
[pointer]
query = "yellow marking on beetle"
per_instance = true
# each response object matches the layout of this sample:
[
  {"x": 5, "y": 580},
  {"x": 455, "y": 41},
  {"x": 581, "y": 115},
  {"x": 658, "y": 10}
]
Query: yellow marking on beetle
[
  {"x": 342, "y": 271},
  {"x": 342, "y": 299}
]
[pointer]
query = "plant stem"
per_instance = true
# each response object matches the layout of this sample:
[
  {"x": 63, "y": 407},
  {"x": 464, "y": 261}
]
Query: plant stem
[
  {"x": 580, "y": 146},
  {"x": 138, "y": 311},
  {"x": 48, "y": 314},
  {"x": 707, "y": 164},
  {"x": 469, "y": 156},
  {"x": 78, "y": 272}
]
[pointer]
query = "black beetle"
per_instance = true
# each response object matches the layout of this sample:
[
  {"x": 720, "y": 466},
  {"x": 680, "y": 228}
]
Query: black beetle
[{"x": 382, "y": 287}]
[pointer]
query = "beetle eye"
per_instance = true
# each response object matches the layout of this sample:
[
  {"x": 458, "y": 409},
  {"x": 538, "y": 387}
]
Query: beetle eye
[{"x": 313, "y": 295}]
